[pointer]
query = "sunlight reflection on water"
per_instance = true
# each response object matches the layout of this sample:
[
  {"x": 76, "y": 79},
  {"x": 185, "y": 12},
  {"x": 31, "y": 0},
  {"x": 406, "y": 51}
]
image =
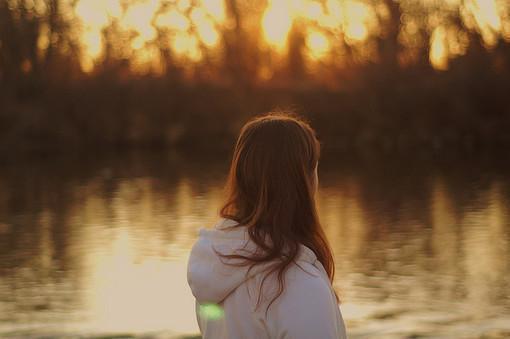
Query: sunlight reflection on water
[{"x": 417, "y": 253}]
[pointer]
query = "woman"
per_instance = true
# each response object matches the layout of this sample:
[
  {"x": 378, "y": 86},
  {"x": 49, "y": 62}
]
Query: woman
[{"x": 265, "y": 270}]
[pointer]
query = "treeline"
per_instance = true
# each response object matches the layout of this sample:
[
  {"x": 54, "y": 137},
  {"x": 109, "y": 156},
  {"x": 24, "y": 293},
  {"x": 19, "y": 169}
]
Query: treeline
[{"x": 383, "y": 101}]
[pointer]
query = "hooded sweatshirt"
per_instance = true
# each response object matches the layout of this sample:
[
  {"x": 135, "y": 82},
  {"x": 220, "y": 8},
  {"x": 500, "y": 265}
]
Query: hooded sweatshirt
[{"x": 227, "y": 295}]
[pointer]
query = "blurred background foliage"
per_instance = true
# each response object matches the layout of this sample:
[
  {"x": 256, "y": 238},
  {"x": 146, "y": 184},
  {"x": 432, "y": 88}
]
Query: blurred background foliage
[{"x": 370, "y": 74}]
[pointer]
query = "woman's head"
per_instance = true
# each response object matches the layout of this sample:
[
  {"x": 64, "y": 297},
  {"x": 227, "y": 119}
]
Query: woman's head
[
  {"x": 271, "y": 188},
  {"x": 272, "y": 175}
]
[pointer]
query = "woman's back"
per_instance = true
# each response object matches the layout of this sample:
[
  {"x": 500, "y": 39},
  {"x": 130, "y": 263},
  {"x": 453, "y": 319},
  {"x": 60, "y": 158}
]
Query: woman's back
[
  {"x": 227, "y": 296},
  {"x": 266, "y": 270}
]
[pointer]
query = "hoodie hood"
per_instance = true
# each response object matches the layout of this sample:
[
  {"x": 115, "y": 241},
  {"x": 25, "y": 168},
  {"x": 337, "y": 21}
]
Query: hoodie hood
[{"x": 210, "y": 277}]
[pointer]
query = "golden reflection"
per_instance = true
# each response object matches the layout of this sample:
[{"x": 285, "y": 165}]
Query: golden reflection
[
  {"x": 125, "y": 288},
  {"x": 46, "y": 223},
  {"x": 498, "y": 221},
  {"x": 343, "y": 219},
  {"x": 485, "y": 249},
  {"x": 444, "y": 238},
  {"x": 120, "y": 248},
  {"x": 134, "y": 277}
]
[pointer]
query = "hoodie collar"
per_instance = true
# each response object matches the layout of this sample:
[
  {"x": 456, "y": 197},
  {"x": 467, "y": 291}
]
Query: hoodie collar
[
  {"x": 233, "y": 230},
  {"x": 210, "y": 277},
  {"x": 225, "y": 223}
]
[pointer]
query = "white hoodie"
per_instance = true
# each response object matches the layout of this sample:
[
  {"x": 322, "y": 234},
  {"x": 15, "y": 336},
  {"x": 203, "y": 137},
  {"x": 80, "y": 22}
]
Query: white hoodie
[{"x": 226, "y": 296}]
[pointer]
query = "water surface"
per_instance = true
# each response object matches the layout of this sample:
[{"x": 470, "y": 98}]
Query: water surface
[{"x": 96, "y": 245}]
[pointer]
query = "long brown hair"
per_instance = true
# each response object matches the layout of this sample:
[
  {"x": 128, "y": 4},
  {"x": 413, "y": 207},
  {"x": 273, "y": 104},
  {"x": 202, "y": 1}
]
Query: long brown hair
[{"x": 271, "y": 191}]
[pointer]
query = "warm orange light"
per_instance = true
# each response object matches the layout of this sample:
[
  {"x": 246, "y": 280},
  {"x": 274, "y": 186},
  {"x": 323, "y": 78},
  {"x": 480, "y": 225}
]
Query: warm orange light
[
  {"x": 486, "y": 15},
  {"x": 204, "y": 27},
  {"x": 138, "y": 18},
  {"x": 128, "y": 292},
  {"x": 95, "y": 15},
  {"x": 276, "y": 23},
  {"x": 183, "y": 5},
  {"x": 144, "y": 18},
  {"x": 358, "y": 16},
  {"x": 193, "y": 25},
  {"x": 318, "y": 44},
  {"x": 187, "y": 46},
  {"x": 314, "y": 10},
  {"x": 335, "y": 17},
  {"x": 439, "y": 49},
  {"x": 215, "y": 8},
  {"x": 93, "y": 45},
  {"x": 173, "y": 19}
]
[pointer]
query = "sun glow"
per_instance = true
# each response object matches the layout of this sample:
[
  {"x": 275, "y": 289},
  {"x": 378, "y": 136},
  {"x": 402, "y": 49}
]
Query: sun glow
[
  {"x": 486, "y": 13},
  {"x": 486, "y": 16},
  {"x": 318, "y": 44},
  {"x": 439, "y": 49},
  {"x": 189, "y": 28},
  {"x": 95, "y": 15},
  {"x": 204, "y": 27},
  {"x": 358, "y": 17},
  {"x": 138, "y": 18},
  {"x": 186, "y": 45},
  {"x": 186, "y": 25},
  {"x": 173, "y": 19},
  {"x": 276, "y": 23}
]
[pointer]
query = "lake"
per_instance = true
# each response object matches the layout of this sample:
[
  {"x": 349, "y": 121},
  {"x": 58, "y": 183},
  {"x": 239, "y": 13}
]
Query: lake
[{"x": 96, "y": 245}]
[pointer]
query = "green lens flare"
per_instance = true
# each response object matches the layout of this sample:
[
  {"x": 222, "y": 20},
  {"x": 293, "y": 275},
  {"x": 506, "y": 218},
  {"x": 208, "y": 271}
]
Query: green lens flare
[{"x": 211, "y": 311}]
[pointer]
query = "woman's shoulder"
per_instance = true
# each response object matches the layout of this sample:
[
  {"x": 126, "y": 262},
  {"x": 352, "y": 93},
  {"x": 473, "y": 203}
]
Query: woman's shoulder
[
  {"x": 301, "y": 279},
  {"x": 304, "y": 276},
  {"x": 307, "y": 308}
]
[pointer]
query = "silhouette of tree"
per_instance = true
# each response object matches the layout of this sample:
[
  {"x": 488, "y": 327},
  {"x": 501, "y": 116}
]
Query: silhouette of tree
[{"x": 381, "y": 91}]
